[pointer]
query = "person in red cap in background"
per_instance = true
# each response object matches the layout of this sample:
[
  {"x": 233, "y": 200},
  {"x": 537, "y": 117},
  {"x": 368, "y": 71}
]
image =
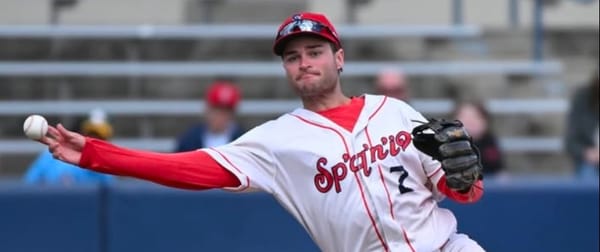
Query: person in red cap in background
[
  {"x": 347, "y": 168},
  {"x": 220, "y": 126}
]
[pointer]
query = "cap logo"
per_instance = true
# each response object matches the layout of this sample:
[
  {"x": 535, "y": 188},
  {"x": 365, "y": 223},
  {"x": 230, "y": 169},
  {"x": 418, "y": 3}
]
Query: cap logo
[{"x": 297, "y": 17}]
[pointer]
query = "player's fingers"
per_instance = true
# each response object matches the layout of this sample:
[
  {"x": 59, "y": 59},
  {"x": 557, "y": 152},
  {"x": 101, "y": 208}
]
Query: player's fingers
[
  {"x": 55, "y": 155},
  {"x": 54, "y": 151},
  {"x": 67, "y": 134},
  {"x": 74, "y": 139},
  {"x": 47, "y": 140},
  {"x": 53, "y": 147},
  {"x": 58, "y": 155},
  {"x": 52, "y": 130},
  {"x": 57, "y": 151},
  {"x": 54, "y": 133}
]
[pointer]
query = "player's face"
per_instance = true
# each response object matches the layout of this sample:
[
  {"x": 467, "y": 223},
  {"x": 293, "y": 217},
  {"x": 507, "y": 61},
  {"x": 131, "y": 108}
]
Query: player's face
[
  {"x": 475, "y": 123},
  {"x": 218, "y": 119},
  {"x": 312, "y": 66}
]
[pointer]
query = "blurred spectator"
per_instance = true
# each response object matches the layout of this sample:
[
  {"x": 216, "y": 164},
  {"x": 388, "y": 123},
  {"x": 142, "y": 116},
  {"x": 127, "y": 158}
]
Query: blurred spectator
[
  {"x": 392, "y": 82},
  {"x": 219, "y": 126},
  {"x": 47, "y": 170},
  {"x": 582, "y": 129},
  {"x": 477, "y": 122}
]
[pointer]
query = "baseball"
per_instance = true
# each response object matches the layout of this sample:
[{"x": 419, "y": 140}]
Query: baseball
[{"x": 35, "y": 127}]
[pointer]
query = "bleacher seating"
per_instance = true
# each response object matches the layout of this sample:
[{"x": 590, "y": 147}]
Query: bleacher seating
[
  {"x": 223, "y": 31},
  {"x": 542, "y": 145},
  {"x": 255, "y": 107},
  {"x": 259, "y": 108},
  {"x": 268, "y": 69},
  {"x": 130, "y": 73}
]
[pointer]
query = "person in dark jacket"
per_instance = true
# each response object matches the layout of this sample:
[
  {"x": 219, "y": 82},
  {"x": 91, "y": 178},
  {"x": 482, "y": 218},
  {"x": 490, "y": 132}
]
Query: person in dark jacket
[
  {"x": 220, "y": 126},
  {"x": 581, "y": 138},
  {"x": 477, "y": 122}
]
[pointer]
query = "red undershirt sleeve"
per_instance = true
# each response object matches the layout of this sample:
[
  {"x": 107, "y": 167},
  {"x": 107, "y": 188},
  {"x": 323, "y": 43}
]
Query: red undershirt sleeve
[
  {"x": 471, "y": 196},
  {"x": 194, "y": 170}
]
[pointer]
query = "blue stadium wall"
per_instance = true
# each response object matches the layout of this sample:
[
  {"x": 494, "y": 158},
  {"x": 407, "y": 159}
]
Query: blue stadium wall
[{"x": 527, "y": 216}]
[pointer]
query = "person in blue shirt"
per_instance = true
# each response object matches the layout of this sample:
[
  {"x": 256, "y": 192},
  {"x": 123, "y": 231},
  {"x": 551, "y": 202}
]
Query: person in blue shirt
[
  {"x": 219, "y": 126},
  {"x": 47, "y": 170}
]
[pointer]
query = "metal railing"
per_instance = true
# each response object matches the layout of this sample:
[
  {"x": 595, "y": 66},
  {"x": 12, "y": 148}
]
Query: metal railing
[
  {"x": 222, "y": 31},
  {"x": 268, "y": 69},
  {"x": 255, "y": 107},
  {"x": 509, "y": 144}
]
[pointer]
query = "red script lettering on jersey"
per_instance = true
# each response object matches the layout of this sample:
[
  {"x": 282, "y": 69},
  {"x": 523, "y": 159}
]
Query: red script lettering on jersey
[{"x": 327, "y": 178}]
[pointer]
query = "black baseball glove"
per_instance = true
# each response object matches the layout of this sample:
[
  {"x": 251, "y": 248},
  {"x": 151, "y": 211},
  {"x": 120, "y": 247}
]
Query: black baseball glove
[{"x": 449, "y": 143}]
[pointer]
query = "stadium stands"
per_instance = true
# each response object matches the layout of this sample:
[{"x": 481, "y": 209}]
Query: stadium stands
[
  {"x": 509, "y": 144},
  {"x": 224, "y": 31},
  {"x": 257, "y": 108},
  {"x": 150, "y": 80},
  {"x": 64, "y": 77},
  {"x": 268, "y": 69}
]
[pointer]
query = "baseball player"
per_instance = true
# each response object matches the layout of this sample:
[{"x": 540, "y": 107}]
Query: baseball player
[{"x": 358, "y": 173}]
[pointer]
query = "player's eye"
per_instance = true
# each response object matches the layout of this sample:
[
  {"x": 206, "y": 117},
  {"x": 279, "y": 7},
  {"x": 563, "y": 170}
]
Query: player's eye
[
  {"x": 314, "y": 53},
  {"x": 290, "y": 58}
]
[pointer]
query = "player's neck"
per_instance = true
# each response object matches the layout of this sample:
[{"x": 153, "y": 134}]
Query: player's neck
[{"x": 325, "y": 102}]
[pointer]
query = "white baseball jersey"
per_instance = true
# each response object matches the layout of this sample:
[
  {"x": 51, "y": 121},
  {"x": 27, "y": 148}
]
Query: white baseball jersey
[{"x": 366, "y": 190}]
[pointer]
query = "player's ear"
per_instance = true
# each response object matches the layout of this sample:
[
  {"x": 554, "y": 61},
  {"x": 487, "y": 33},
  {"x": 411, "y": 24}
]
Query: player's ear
[{"x": 339, "y": 59}]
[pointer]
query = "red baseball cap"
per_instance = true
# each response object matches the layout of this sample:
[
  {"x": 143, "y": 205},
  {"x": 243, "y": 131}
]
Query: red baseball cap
[
  {"x": 223, "y": 94},
  {"x": 305, "y": 23}
]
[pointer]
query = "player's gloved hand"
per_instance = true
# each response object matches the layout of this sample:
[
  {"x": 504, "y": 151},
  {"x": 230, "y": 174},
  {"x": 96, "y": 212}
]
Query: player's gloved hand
[{"x": 449, "y": 143}]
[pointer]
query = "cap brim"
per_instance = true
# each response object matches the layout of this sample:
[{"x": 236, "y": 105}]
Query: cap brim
[{"x": 280, "y": 43}]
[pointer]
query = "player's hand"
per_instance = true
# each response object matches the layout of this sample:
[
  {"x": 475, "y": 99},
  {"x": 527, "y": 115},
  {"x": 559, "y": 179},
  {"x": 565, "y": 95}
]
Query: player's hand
[
  {"x": 65, "y": 145},
  {"x": 449, "y": 143}
]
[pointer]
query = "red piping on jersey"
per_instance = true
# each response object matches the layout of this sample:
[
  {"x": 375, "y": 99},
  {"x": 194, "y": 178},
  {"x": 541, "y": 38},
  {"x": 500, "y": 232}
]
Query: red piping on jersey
[
  {"x": 387, "y": 192},
  {"x": 378, "y": 108},
  {"x": 362, "y": 195},
  {"x": 444, "y": 245},
  {"x": 237, "y": 169},
  {"x": 326, "y": 127},
  {"x": 406, "y": 238},
  {"x": 434, "y": 172}
]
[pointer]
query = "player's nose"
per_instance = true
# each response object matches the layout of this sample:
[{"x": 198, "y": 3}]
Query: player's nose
[{"x": 304, "y": 63}]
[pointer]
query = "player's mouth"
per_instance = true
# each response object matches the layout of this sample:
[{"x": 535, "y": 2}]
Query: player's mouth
[{"x": 306, "y": 76}]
